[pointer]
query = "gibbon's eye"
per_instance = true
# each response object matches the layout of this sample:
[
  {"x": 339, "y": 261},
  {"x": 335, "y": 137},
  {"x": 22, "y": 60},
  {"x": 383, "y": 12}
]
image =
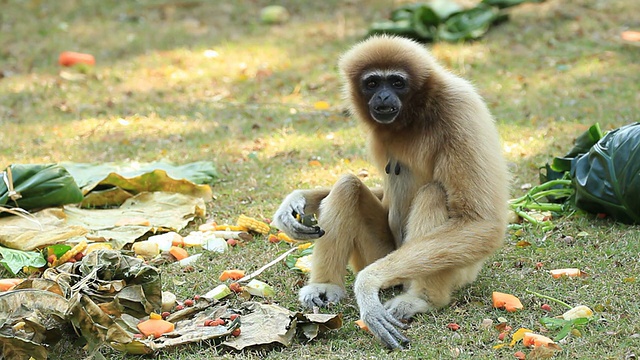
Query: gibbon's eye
[
  {"x": 398, "y": 84},
  {"x": 371, "y": 84}
]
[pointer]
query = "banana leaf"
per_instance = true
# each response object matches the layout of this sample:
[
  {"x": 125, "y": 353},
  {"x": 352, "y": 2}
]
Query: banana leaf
[
  {"x": 38, "y": 186},
  {"x": 470, "y": 24},
  {"x": 607, "y": 177}
]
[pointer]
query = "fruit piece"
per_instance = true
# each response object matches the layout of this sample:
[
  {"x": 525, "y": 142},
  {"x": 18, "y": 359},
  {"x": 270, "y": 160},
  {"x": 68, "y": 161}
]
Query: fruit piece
[
  {"x": 155, "y": 327},
  {"x": 233, "y": 274},
  {"x": 233, "y": 316},
  {"x": 273, "y": 239},
  {"x": 97, "y": 246},
  {"x": 167, "y": 240},
  {"x": 52, "y": 258},
  {"x": 218, "y": 292},
  {"x": 236, "y": 332},
  {"x": 304, "y": 263},
  {"x": 558, "y": 273},
  {"x": 168, "y": 301},
  {"x": 178, "y": 253},
  {"x": 361, "y": 325},
  {"x": 165, "y": 314},
  {"x": 232, "y": 242},
  {"x": 7, "y": 284},
  {"x": 453, "y": 326},
  {"x": 155, "y": 316},
  {"x": 146, "y": 249},
  {"x": 520, "y": 355},
  {"x": 533, "y": 339},
  {"x": 79, "y": 247},
  {"x": 259, "y": 288},
  {"x": 236, "y": 288},
  {"x": 79, "y": 256},
  {"x": 545, "y": 307},
  {"x": 578, "y": 312},
  {"x": 218, "y": 322},
  {"x": 196, "y": 297},
  {"x": 188, "y": 302},
  {"x": 179, "y": 307},
  {"x": 501, "y": 336},
  {"x": 70, "y": 58},
  {"x": 507, "y": 301}
]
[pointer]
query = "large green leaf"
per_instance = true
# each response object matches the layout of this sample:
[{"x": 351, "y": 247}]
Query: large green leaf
[
  {"x": 607, "y": 178},
  {"x": 15, "y": 260},
  {"x": 39, "y": 186}
]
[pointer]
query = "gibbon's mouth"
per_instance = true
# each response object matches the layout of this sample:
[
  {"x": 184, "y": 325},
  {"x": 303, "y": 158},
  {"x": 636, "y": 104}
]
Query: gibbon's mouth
[{"x": 385, "y": 114}]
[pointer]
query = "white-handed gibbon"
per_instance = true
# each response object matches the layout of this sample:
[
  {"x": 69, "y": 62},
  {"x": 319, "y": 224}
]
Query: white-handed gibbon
[{"x": 442, "y": 209}]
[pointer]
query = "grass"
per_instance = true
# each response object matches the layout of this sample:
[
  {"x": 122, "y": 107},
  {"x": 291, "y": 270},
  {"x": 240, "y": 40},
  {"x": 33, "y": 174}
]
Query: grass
[{"x": 547, "y": 74}]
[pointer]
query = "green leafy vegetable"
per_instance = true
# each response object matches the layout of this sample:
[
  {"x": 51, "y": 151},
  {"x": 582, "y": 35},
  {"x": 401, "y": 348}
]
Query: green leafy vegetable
[
  {"x": 15, "y": 260},
  {"x": 38, "y": 186},
  {"x": 607, "y": 177}
]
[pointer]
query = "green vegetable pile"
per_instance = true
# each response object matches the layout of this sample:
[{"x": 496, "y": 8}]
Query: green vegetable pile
[
  {"x": 443, "y": 20},
  {"x": 600, "y": 175}
]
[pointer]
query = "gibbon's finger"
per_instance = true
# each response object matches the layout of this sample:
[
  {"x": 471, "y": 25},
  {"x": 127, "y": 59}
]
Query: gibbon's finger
[
  {"x": 397, "y": 323},
  {"x": 387, "y": 333}
]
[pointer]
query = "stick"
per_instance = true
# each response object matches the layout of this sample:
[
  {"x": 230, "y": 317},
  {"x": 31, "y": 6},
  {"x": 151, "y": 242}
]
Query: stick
[{"x": 259, "y": 271}]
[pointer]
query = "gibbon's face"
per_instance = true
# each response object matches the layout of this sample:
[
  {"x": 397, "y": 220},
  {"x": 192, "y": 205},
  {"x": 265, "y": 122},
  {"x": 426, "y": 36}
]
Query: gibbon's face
[{"x": 384, "y": 91}]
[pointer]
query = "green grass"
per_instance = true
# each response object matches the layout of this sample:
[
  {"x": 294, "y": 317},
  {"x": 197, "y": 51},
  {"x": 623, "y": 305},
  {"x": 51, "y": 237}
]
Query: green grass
[{"x": 547, "y": 74}]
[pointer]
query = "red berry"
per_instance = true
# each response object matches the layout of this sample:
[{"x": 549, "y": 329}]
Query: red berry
[
  {"x": 72, "y": 260},
  {"x": 196, "y": 298},
  {"x": 273, "y": 239},
  {"x": 502, "y": 335},
  {"x": 539, "y": 265},
  {"x": 165, "y": 314},
  {"x": 52, "y": 258},
  {"x": 236, "y": 332},
  {"x": 179, "y": 307},
  {"x": 235, "y": 287},
  {"x": 188, "y": 302},
  {"x": 233, "y": 316},
  {"x": 232, "y": 242},
  {"x": 218, "y": 322},
  {"x": 453, "y": 326},
  {"x": 79, "y": 256},
  {"x": 545, "y": 307},
  {"x": 208, "y": 322}
]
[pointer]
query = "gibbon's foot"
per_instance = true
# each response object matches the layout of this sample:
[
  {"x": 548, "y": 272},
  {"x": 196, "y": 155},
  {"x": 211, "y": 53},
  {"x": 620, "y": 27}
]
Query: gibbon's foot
[
  {"x": 321, "y": 295},
  {"x": 405, "y": 306},
  {"x": 385, "y": 327}
]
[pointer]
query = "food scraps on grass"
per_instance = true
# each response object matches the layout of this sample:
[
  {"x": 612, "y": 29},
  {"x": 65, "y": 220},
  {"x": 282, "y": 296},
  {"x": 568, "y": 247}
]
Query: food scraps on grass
[
  {"x": 519, "y": 355},
  {"x": 8, "y": 284},
  {"x": 218, "y": 292},
  {"x": 571, "y": 272},
  {"x": 532, "y": 339},
  {"x": 178, "y": 253},
  {"x": 253, "y": 224},
  {"x": 453, "y": 326},
  {"x": 236, "y": 288},
  {"x": 507, "y": 302},
  {"x": 545, "y": 307},
  {"x": 580, "y": 311},
  {"x": 155, "y": 327},
  {"x": 360, "y": 323},
  {"x": 70, "y": 58},
  {"x": 259, "y": 288},
  {"x": 233, "y": 274},
  {"x": 70, "y": 254}
]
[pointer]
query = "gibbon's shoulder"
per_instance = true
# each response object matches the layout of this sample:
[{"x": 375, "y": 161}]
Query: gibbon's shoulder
[{"x": 388, "y": 52}]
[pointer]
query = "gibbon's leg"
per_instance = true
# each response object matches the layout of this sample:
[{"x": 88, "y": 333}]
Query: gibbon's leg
[
  {"x": 423, "y": 295},
  {"x": 356, "y": 230}
]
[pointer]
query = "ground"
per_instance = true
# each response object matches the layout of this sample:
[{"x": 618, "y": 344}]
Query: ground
[{"x": 196, "y": 80}]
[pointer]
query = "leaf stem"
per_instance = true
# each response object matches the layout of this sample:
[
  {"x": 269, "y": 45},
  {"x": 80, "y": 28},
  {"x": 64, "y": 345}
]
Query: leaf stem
[{"x": 549, "y": 298}]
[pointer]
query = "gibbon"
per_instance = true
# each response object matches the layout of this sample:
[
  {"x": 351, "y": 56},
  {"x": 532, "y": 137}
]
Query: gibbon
[{"x": 442, "y": 209}]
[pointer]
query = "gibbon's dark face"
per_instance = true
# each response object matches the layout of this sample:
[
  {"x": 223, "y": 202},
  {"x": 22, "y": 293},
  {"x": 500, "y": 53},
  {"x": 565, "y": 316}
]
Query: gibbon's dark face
[{"x": 384, "y": 91}]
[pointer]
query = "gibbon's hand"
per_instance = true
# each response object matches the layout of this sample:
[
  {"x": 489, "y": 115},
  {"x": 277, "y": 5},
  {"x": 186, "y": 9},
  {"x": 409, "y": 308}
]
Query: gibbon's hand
[{"x": 285, "y": 218}]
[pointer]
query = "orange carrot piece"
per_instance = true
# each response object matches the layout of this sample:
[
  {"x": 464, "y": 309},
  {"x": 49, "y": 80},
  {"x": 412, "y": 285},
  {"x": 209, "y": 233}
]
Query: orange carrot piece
[
  {"x": 361, "y": 325},
  {"x": 506, "y": 301},
  {"x": 233, "y": 274},
  {"x": 178, "y": 253},
  {"x": 70, "y": 58},
  {"x": 533, "y": 339},
  {"x": 155, "y": 327},
  {"x": 7, "y": 284}
]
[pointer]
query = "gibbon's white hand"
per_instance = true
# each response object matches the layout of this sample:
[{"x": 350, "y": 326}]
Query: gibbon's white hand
[{"x": 285, "y": 218}]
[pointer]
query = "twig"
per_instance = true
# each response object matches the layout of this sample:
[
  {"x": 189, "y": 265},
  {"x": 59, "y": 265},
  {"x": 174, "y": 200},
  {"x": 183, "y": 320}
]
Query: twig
[{"x": 275, "y": 261}]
